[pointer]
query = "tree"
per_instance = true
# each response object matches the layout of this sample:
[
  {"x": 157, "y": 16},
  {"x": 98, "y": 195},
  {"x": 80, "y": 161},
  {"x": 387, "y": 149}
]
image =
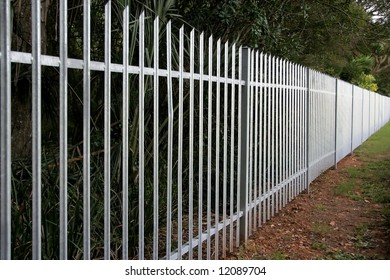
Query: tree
[
  {"x": 366, "y": 81},
  {"x": 378, "y": 10},
  {"x": 378, "y": 40}
]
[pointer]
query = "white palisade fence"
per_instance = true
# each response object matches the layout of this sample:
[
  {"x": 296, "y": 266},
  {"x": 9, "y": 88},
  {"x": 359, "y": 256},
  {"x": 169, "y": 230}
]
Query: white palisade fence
[{"x": 235, "y": 134}]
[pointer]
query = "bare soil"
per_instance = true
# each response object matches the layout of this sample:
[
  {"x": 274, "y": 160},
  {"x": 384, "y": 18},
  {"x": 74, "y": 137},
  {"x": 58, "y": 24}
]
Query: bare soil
[{"x": 322, "y": 224}]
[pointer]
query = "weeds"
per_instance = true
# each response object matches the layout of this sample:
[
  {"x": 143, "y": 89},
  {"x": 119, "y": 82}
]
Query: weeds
[
  {"x": 278, "y": 256},
  {"x": 341, "y": 255},
  {"x": 320, "y": 208},
  {"x": 346, "y": 188},
  {"x": 320, "y": 228},
  {"x": 319, "y": 246},
  {"x": 362, "y": 239}
]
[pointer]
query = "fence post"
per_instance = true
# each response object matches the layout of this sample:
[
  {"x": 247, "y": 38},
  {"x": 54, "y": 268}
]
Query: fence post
[
  {"x": 335, "y": 126},
  {"x": 352, "y": 115},
  {"x": 362, "y": 133},
  {"x": 369, "y": 115},
  {"x": 5, "y": 131},
  {"x": 244, "y": 131},
  {"x": 307, "y": 128}
]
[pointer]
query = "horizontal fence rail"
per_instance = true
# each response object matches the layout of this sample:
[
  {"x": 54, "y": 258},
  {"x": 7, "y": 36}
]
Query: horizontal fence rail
[{"x": 187, "y": 144}]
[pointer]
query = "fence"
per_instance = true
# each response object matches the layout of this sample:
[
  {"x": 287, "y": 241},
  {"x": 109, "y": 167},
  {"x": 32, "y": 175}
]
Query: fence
[{"x": 224, "y": 139}]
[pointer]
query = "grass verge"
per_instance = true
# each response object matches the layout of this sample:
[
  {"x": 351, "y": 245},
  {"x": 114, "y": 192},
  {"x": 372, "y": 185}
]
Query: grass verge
[{"x": 371, "y": 179}]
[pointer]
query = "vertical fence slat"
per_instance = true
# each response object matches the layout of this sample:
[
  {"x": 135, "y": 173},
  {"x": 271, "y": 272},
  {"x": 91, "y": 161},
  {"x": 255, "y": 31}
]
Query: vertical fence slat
[
  {"x": 277, "y": 122},
  {"x": 296, "y": 128},
  {"x": 296, "y": 148},
  {"x": 286, "y": 136},
  {"x": 125, "y": 137},
  {"x": 336, "y": 122},
  {"x": 364, "y": 105},
  {"x": 269, "y": 146},
  {"x": 264, "y": 93},
  {"x": 352, "y": 116},
  {"x": 36, "y": 127},
  {"x": 107, "y": 129},
  {"x": 303, "y": 146},
  {"x": 261, "y": 143},
  {"x": 191, "y": 153},
  {"x": 276, "y": 139},
  {"x": 225, "y": 159},
  {"x": 278, "y": 133},
  {"x": 299, "y": 149},
  {"x": 200, "y": 190},
  {"x": 362, "y": 117},
  {"x": 244, "y": 139},
  {"x": 289, "y": 134},
  {"x": 5, "y": 130},
  {"x": 265, "y": 126},
  {"x": 312, "y": 120},
  {"x": 272, "y": 122},
  {"x": 86, "y": 130},
  {"x": 303, "y": 123},
  {"x": 209, "y": 144},
  {"x": 274, "y": 135},
  {"x": 217, "y": 143},
  {"x": 307, "y": 125},
  {"x": 232, "y": 144},
  {"x": 301, "y": 136},
  {"x": 250, "y": 141},
  {"x": 369, "y": 115},
  {"x": 282, "y": 133},
  {"x": 319, "y": 126},
  {"x": 292, "y": 130},
  {"x": 63, "y": 130},
  {"x": 256, "y": 143},
  {"x": 239, "y": 123},
  {"x": 285, "y": 155},
  {"x": 247, "y": 110},
  {"x": 141, "y": 143},
  {"x": 180, "y": 147},
  {"x": 170, "y": 140}
]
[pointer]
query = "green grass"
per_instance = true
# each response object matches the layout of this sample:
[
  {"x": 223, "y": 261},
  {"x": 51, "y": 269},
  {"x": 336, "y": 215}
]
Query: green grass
[
  {"x": 362, "y": 239},
  {"x": 346, "y": 188},
  {"x": 341, "y": 255},
  {"x": 375, "y": 172},
  {"x": 371, "y": 180},
  {"x": 317, "y": 245},
  {"x": 320, "y": 228},
  {"x": 320, "y": 208},
  {"x": 377, "y": 145},
  {"x": 278, "y": 256}
]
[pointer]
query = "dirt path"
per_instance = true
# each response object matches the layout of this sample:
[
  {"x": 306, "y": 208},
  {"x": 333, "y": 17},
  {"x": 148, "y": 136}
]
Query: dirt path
[{"x": 323, "y": 225}]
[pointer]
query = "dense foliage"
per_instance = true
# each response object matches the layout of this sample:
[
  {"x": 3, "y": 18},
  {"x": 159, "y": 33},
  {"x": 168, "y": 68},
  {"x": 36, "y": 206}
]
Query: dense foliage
[{"x": 326, "y": 35}]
